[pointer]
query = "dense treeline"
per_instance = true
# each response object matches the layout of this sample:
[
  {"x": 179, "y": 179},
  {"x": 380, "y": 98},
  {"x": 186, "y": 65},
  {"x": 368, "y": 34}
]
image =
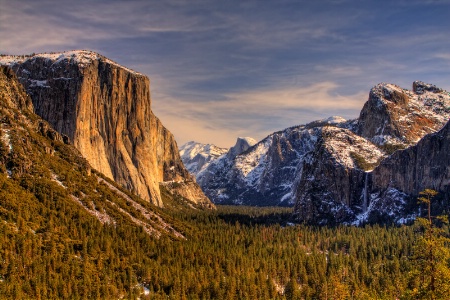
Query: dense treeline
[{"x": 232, "y": 253}]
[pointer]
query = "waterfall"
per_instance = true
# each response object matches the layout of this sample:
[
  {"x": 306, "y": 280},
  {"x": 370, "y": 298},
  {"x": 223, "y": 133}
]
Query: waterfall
[{"x": 365, "y": 192}]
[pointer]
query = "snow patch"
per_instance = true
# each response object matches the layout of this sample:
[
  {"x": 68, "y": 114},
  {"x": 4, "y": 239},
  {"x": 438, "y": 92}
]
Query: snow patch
[
  {"x": 102, "y": 216},
  {"x": 38, "y": 83},
  {"x": 6, "y": 138},
  {"x": 197, "y": 157},
  {"x": 251, "y": 166},
  {"x": 55, "y": 179},
  {"x": 333, "y": 120}
]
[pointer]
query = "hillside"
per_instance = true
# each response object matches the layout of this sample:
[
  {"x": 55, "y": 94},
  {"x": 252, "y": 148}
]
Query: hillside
[{"x": 67, "y": 229}]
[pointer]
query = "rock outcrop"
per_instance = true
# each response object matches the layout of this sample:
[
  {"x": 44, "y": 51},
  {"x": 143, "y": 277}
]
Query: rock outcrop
[
  {"x": 397, "y": 118},
  {"x": 395, "y": 184},
  {"x": 104, "y": 109},
  {"x": 425, "y": 165},
  {"x": 369, "y": 183}
]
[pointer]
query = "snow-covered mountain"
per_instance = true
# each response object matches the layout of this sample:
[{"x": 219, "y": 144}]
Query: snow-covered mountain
[
  {"x": 329, "y": 190},
  {"x": 197, "y": 156},
  {"x": 395, "y": 117},
  {"x": 325, "y": 167},
  {"x": 263, "y": 173}
]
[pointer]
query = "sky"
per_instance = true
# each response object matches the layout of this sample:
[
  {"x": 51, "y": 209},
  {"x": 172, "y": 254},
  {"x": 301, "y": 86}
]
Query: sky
[{"x": 226, "y": 69}]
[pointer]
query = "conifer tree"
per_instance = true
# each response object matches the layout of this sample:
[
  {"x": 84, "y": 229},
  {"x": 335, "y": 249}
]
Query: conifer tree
[{"x": 430, "y": 278}]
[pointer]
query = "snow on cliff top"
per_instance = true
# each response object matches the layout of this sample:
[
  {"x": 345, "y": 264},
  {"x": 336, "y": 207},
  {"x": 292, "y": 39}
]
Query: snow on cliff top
[
  {"x": 343, "y": 144},
  {"x": 415, "y": 113},
  {"x": 81, "y": 57}
]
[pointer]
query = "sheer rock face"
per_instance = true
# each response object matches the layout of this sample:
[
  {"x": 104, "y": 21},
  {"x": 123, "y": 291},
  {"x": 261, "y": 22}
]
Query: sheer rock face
[
  {"x": 425, "y": 165},
  {"x": 105, "y": 111},
  {"x": 13, "y": 93},
  {"x": 329, "y": 188}
]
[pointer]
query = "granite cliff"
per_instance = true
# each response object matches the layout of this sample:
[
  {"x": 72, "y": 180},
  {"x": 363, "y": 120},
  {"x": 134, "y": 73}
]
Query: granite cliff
[
  {"x": 37, "y": 169},
  {"x": 354, "y": 185},
  {"x": 328, "y": 188},
  {"x": 397, "y": 118},
  {"x": 393, "y": 186},
  {"x": 105, "y": 111}
]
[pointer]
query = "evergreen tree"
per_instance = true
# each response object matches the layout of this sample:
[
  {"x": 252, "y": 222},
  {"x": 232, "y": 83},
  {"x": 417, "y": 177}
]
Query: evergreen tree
[{"x": 430, "y": 278}]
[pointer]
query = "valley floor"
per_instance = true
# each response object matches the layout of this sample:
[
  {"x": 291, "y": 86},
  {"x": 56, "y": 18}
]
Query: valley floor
[
  {"x": 254, "y": 253},
  {"x": 229, "y": 253}
]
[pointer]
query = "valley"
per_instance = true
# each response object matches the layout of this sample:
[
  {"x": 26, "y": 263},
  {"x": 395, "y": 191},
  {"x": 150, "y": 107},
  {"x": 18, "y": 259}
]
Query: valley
[
  {"x": 96, "y": 201},
  {"x": 231, "y": 253}
]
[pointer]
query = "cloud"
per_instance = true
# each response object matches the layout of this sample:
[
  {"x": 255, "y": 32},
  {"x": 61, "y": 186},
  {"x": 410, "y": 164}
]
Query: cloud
[
  {"x": 339, "y": 70},
  {"x": 220, "y": 69},
  {"x": 444, "y": 56},
  {"x": 255, "y": 113}
]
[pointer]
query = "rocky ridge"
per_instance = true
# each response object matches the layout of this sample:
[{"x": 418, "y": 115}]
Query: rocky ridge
[
  {"x": 399, "y": 118},
  {"x": 105, "y": 111},
  {"x": 264, "y": 173}
]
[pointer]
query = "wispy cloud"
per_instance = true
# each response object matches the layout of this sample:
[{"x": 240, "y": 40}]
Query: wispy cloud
[
  {"x": 248, "y": 113},
  {"x": 444, "y": 56}
]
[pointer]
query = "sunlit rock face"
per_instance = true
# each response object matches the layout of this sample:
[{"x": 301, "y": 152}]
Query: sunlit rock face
[{"x": 105, "y": 110}]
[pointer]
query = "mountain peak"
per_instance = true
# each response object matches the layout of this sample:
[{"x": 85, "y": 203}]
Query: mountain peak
[
  {"x": 419, "y": 87},
  {"x": 242, "y": 144},
  {"x": 396, "y": 116},
  {"x": 197, "y": 156}
]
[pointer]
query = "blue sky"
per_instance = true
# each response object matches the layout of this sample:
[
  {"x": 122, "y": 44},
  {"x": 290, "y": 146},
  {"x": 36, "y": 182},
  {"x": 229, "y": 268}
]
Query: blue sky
[{"x": 223, "y": 69}]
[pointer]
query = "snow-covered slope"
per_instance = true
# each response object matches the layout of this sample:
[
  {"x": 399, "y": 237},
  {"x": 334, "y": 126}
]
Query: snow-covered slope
[
  {"x": 196, "y": 156},
  {"x": 263, "y": 174},
  {"x": 82, "y": 58}
]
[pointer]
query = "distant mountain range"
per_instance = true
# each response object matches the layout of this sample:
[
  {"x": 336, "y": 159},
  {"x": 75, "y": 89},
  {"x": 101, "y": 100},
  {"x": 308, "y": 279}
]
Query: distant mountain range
[{"x": 339, "y": 171}]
